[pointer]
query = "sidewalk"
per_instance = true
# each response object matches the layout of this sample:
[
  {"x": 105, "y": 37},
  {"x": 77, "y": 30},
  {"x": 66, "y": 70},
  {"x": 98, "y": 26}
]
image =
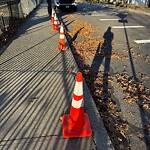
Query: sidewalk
[{"x": 37, "y": 88}]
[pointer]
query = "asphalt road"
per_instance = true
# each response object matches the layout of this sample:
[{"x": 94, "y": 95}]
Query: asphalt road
[
  {"x": 126, "y": 28},
  {"x": 123, "y": 37}
]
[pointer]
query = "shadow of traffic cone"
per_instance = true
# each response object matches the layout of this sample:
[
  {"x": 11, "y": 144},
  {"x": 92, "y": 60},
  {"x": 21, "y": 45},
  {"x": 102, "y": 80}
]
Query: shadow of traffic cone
[
  {"x": 52, "y": 18},
  {"x": 62, "y": 45},
  {"x": 55, "y": 25},
  {"x": 76, "y": 124}
]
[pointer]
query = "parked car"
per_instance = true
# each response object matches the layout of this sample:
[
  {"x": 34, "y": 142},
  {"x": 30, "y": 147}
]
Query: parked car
[{"x": 66, "y": 5}]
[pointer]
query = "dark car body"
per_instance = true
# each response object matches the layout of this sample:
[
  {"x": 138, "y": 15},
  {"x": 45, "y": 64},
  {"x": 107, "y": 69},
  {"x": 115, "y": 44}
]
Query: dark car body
[{"x": 66, "y": 4}]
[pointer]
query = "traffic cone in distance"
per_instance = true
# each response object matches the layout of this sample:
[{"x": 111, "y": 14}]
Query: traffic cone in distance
[
  {"x": 55, "y": 25},
  {"x": 76, "y": 124},
  {"x": 62, "y": 45},
  {"x": 52, "y": 18}
]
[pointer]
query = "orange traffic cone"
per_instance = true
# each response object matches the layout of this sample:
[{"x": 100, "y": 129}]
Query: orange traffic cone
[
  {"x": 76, "y": 124},
  {"x": 55, "y": 25},
  {"x": 61, "y": 45},
  {"x": 52, "y": 18}
]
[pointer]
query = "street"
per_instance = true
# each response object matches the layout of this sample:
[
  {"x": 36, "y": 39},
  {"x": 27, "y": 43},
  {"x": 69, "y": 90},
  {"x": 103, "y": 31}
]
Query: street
[
  {"x": 109, "y": 45},
  {"x": 97, "y": 28}
]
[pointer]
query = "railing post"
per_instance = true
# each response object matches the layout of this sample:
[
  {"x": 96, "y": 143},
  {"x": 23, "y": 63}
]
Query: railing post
[
  {"x": 3, "y": 23},
  {"x": 10, "y": 10}
]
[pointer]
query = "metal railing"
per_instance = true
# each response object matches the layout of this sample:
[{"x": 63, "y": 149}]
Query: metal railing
[{"x": 13, "y": 11}]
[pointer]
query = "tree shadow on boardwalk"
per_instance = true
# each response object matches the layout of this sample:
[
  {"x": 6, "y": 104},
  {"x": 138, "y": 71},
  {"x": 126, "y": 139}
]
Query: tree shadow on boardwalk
[
  {"x": 37, "y": 125},
  {"x": 24, "y": 28},
  {"x": 35, "y": 98}
]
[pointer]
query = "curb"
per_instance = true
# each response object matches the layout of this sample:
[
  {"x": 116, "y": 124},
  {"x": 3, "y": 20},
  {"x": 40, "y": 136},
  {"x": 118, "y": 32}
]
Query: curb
[
  {"x": 100, "y": 136},
  {"x": 137, "y": 11}
]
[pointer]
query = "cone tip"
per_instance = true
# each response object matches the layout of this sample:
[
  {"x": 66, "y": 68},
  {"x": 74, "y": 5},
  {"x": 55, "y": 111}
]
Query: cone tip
[
  {"x": 79, "y": 77},
  {"x": 62, "y": 24}
]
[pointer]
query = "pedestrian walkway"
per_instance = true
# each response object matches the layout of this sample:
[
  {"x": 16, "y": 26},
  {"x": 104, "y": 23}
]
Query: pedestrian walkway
[{"x": 37, "y": 82}]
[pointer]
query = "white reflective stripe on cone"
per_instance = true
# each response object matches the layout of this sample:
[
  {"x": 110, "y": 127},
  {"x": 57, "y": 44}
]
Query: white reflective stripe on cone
[
  {"x": 55, "y": 17},
  {"x": 61, "y": 30},
  {"x": 62, "y": 36},
  {"x": 53, "y": 11},
  {"x": 78, "y": 89},
  {"x": 77, "y": 104}
]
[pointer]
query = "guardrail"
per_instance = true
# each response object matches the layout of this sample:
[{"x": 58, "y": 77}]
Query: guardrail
[
  {"x": 9, "y": 10},
  {"x": 12, "y": 12}
]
